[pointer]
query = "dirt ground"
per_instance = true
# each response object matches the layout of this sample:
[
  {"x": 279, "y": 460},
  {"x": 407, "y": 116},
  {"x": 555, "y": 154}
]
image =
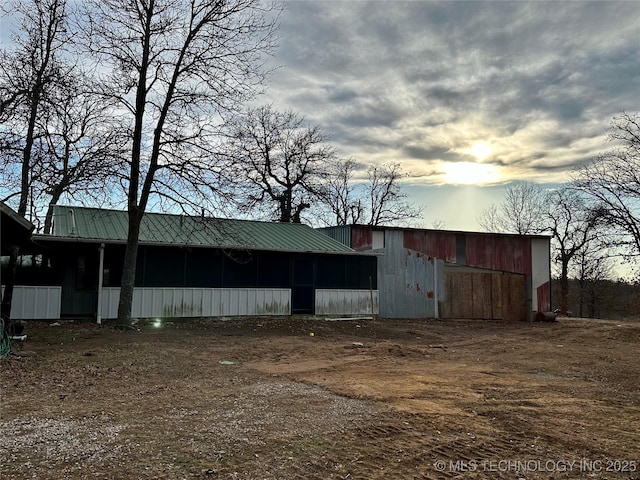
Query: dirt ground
[{"x": 263, "y": 399}]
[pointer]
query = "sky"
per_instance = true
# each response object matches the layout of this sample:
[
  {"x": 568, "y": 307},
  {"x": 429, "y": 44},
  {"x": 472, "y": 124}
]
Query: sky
[{"x": 467, "y": 96}]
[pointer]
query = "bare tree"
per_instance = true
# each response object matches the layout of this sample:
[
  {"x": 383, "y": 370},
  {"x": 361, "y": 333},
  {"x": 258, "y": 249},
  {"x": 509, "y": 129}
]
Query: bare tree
[
  {"x": 572, "y": 226},
  {"x": 591, "y": 268},
  {"x": 387, "y": 201},
  {"x": 520, "y": 212},
  {"x": 377, "y": 199},
  {"x": 340, "y": 195},
  {"x": 280, "y": 163},
  {"x": 27, "y": 75},
  {"x": 81, "y": 147},
  {"x": 612, "y": 181},
  {"x": 175, "y": 67}
]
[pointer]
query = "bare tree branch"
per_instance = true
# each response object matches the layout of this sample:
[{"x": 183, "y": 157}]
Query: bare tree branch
[
  {"x": 612, "y": 183},
  {"x": 279, "y": 159}
]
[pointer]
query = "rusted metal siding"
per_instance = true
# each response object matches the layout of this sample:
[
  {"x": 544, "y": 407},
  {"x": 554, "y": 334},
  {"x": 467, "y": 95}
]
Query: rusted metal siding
[
  {"x": 406, "y": 273},
  {"x": 358, "y": 237},
  {"x": 346, "y": 302},
  {"x": 406, "y": 280},
  {"x": 200, "y": 302},
  {"x": 361, "y": 238},
  {"x": 35, "y": 303},
  {"x": 434, "y": 243},
  {"x": 499, "y": 252},
  {"x": 507, "y": 253},
  {"x": 543, "y": 300}
]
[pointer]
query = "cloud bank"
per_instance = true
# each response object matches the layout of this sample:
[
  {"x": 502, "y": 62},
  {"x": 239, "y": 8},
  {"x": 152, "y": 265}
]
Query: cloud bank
[{"x": 422, "y": 82}]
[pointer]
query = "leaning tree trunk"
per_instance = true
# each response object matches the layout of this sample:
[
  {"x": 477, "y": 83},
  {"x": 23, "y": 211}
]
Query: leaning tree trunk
[
  {"x": 564, "y": 287},
  {"x": 129, "y": 270}
]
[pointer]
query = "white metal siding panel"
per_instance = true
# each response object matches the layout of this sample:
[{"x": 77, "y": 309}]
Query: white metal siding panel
[
  {"x": 540, "y": 275},
  {"x": 377, "y": 239},
  {"x": 539, "y": 265},
  {"x": 200, "y": 302},
  {"x": 345, "y": 302},
  {"x": 35, "y": 303}
]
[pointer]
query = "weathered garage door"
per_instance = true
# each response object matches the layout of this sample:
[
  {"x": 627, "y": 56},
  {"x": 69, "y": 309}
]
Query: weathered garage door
[{"x": 484, "y": 296}]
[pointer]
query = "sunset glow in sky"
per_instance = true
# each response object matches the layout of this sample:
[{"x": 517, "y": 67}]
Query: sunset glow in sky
[{"x": 466, "y": 95}]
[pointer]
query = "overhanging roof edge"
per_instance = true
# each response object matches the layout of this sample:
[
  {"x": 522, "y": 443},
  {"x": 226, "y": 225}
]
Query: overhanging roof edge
[{"x": 58, "y": 238}]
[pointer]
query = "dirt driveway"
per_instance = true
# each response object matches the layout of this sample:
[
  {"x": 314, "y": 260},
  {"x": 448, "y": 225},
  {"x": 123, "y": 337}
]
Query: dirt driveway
[{"x": 262, "y": 399}]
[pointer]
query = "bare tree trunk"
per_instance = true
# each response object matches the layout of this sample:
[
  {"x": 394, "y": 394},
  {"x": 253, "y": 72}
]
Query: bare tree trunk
[
  {"x": 7, "y": 295},
  {"x": 48, "y": 219},
  {"x": 581, "y": 303},
  {"x": 564, "y": 286},
  {"x": 129, "y": 270}
]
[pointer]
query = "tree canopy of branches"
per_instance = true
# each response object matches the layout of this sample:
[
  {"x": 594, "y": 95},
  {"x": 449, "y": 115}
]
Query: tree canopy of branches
[
  {"x": 175, "y": 67},
  {"x": 612, "y": 182},
  {"x": 573, "y": 227},
  {"x": 29, "y": 75},
  {"x": 345, "y": 206},
  {"x": 591, "y": 266},
  {"x": 57, "y": 137},
  {"x": 520, "y": 212},
  {"x": 82, "y": 148},
  {"x": 376, "y": 200},
  {"x": 528, "y": 209},
  {"x": 280, "y": 163}
]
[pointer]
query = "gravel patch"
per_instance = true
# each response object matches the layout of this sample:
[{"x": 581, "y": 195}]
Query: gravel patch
[{"x": 66, "y": 445}]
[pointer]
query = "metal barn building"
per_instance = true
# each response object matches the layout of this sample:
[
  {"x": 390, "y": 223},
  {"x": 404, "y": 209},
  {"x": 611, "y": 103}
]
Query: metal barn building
[
  {"x": 192, "y": 267},
  {"x": 448, "y": 274}
]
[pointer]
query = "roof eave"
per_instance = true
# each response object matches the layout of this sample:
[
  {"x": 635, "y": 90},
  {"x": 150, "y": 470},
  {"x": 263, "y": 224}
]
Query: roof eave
[
  {"x": 72, "y": 239},
  {"x": 16, "y": 217}
]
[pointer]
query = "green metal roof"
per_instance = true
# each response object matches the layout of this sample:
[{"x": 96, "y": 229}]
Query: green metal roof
[{"x": 158, "y": 228}]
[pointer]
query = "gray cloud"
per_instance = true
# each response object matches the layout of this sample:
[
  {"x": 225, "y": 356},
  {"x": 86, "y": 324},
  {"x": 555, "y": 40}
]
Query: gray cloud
[{"x": 417, "y": 80}]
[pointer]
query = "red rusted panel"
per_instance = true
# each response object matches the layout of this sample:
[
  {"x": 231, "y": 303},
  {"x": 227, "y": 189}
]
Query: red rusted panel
[
  {"x": 494, "y": 252},
  {"x": 544, "y": 297},
  {"x": 415, "y": 240},
  {"x": 443, "y": 245},
  {"x": 361, "y": 237},
  {"x": 435, "y": 244}
]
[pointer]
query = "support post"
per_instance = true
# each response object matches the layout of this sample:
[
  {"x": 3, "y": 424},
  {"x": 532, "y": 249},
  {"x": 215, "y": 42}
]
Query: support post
[
  {"x": 435, "y": 288},
  {"x": 100, "y": 277}
]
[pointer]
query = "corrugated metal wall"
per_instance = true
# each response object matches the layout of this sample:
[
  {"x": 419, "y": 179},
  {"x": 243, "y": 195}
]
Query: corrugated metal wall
[
  {"x": 406, "y": 272},
  {"x": 200, "y": 302},
  {"x": 438, "y": 244},
  {"x": 345, "y": 302},
  {"x": 499, "y": 252},
  {"x": 406, "y": 280},
  {"x": 35, "y": 303},
  {"x": 340, "y": 233}
]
